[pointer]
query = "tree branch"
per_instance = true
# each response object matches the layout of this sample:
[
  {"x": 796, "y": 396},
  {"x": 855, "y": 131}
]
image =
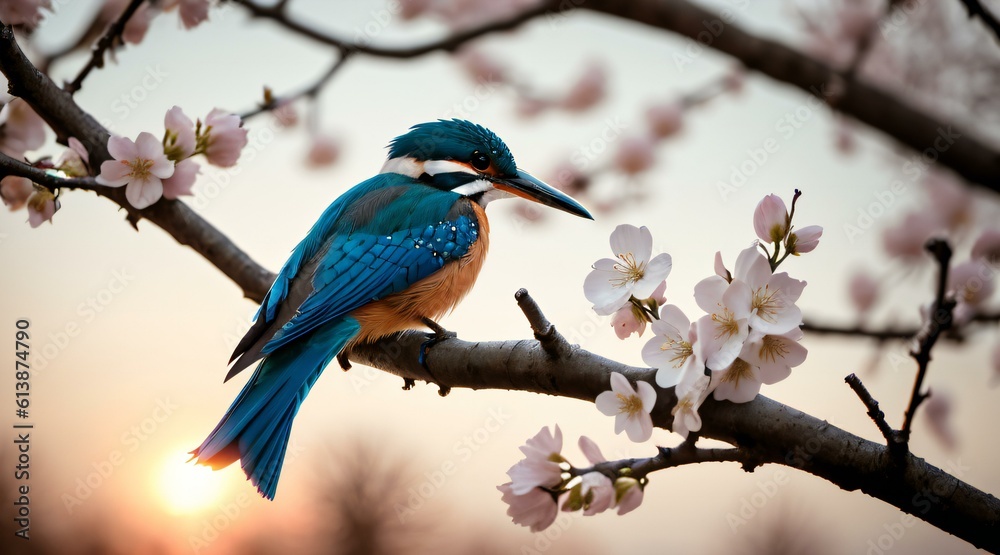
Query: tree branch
[
  {"x": 309, "y": 92},
  {"x": 775, "y": 433},
  {"x": 976, "y": 9},
  {"x": 11, "y": 166},
  {"x": 669, "y": 458},
  {"x": 874, "y": 411},
  {"x": 111, "y": 36},
  {"x": 953, "y": 147},
  {"x": 278, "y": 15}
]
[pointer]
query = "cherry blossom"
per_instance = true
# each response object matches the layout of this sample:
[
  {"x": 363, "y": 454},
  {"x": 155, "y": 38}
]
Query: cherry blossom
[
  {"x": 594, "y": 494},
  {"x": 137, "y": 25},
  {"x": 192, "y": 12},
  {"x": 864, "y": 292},
  {"x": 23, "y": 12},
  {"x": 74, "y": 161},
  {"x": 723, "y": 330},
  {"x": 536, "y": 509},
  {"x": 613, "y": 281},
  {"x": 628, "y": 494},
  {"x": 907, "y": 239},
  {"x": 672, "y": 348},
  {"x": 224, "y": 138},
  {"x": 774, "y": 355},
  {"x": 630, "y": 407},
  {"x": 180, "y": 183},
  {"x": 140, "y": 165},
  {"x": 15, "y": 191},
  {"x": 770, "y": 219},
  {"x": 972, "y": 284},
  {"x": 480, "y": 66},
  {"x": 635, "y": 154},
  {"x": 987, "y": 246},
  {"x": 627, "y": 320},
  {"x": 324, "y": 151},
  {"x": 691, "y": 391},
  {"x": 179, "y": 141},
  {"x": 540, "y": 467},
  {"x": 937, "y": 414},
  {"x": 803, "y": 240},
  {"x": 41, "y": 207},
  {"x": 588, "y": 90},
  {"x": 773, "y": 308},
  {"x": 21, "y": 129},
  {"x": 665, "y": 119}
]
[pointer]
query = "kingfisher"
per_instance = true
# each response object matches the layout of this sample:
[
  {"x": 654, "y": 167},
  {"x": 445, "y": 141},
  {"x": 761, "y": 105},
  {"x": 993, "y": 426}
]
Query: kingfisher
[{"x": 395, "y": 252}]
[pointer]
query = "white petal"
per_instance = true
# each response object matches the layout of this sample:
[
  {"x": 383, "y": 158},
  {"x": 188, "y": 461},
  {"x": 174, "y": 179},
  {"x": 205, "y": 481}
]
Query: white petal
[
  {"x": 628, "y": 238},
  {"x": 122, "y": 148},
  {"x": 591, "y": 450},
  {"x": 791, "y": 288},
  {"x": 619, "y": 384},
  {"x": 148, "y": 146},
  {"x": 752, "y": 267},
  {"x": 114, "y": 173},
  {"x": 674, "y": 317},
  {"x": 607, "y": 403},
  {"x": 647, "y": 395},
  {"x": 708, "y": 293},
  {"x": 738, "y": 299},
  {"x": 668, "y": 377},
  {"x": 143, "y": 193},
  {"x": 620, "y": 421},
  {"x": 655, "y": 272},
  {"x": 640, "y": 428}
]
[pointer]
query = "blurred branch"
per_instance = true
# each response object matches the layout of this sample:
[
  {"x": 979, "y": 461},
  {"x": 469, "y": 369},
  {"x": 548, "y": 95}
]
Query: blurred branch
[
  {"x": 939, "y": 320},
  {"x": 891, "y": 334},
  {"x": 311, "y": 91},
  {"x": 279, "y": 15},
  {"x": 111, "y": 37},
  {"x": 771, "y": 431},
  {"x": 977, "y": 9},
  {"x": 952, "y": 146}
]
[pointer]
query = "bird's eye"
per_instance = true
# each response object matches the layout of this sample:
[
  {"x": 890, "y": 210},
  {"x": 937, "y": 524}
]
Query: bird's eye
[{"x": 480, "y": 162}]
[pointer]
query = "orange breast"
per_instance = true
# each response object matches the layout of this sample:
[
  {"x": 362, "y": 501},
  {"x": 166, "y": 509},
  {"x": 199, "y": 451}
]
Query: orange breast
[{"x": 431, "y": 297}]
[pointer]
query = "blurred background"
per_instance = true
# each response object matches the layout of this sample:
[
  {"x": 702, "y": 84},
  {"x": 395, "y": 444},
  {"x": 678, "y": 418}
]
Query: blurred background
[{"x": 131, "y": 332}]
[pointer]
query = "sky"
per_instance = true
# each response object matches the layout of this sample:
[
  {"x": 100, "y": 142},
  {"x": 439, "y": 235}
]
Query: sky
[{"x": 131, "y": 332}]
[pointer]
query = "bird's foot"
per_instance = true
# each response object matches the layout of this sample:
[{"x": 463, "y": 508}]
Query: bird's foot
[
  {"x": 439, "y": 334},
  {"x": 345, "y": 362}
]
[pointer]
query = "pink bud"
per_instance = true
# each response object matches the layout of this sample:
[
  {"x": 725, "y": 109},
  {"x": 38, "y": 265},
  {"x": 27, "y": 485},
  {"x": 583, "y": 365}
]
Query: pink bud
[
  {"x": 410, "y": 9},
  {"x": 193, "y": 12},
  {"x": 15, "y": 191},
  {"x": 529, "y": 106},
  {"x": 588, "y": 90},
  {"x": 626, "y": 322},
  {"x": 804, "y": 240},
  {"x": 180, "y": 139},
  {"x": 770, "y": 219},
  {"x": 22, "y": 129},
  {"x": 226, "y": 138},
  {"x": 864, "y": 292},
  {"x": 635, "y": 154},
  {"x": 665, "y": 119},
  {"x": 41, "y": 207},
  {"x": 907, "y": 239},
  {"x": 286, "y": 115},
  {"x": 987, "y": 246},
  {"x": 937, "y": 412},
  {"x": 950, "y": 200},
  {"x": 324, "y": 151},
  {"x": 480, "y": 66}
]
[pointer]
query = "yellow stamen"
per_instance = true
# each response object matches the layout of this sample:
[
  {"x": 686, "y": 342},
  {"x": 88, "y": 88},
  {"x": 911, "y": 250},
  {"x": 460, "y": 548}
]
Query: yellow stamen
[
  {"x": 631, "y": 270},
  {"x": 682, "y": 350},
  {"x": 767, "y": 303},
  {"x": 725, "y": 323},
  {"x": 772, "y": 348},
  {"x": 739, "y": 370},
  {"x": 629, "y": 404}
]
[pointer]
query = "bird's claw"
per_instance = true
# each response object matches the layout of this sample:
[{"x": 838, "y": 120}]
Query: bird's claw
[{"x": 439, "y": 334}]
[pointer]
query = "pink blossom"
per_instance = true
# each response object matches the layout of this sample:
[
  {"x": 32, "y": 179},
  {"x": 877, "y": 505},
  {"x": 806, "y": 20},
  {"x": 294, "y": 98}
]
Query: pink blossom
[
  {"x": 987, "y": 246},
  {"x": 770, "y": 219},
  {"x": 41, "y": 207},
  {"x": 937, "y": 413},
  {"x": 15, "y": 191},
  {"x": 141, "y": 165},
  {"x": 480, "y": 66},
  {"x": 179, "y": 142},
  {"x": 864, "y": 292},
  {"x": 225, "y": 138},
  {"x": 907, "y": 239},
  {"x": 588, "y": 90},
  {"x": 629, "y": 406},
  {"x": 671, "y": 350},
  {"x": 594, "y": 494},
  {"x": 691, "y": 392},
  {"x": 635, "y": 154},
  {"x": 804, "y": 240},
  {"x": 628, "y": 492},
  {"x": 950, "y": 200},
  {"x": 972, "y": 284},
  {"x": 185, "y": 174},
  {"x": 137, "y": 25},
  {"x": 530, "y": 106},
  {"x": 665, "y": 119},
  {"x": 23, "y": 12},
  {"x": 192, "y": 12},
  {"x": 540, "y": 466},
  {"x": 568, "y": 179},
  {"x": 324, "y": 151},
  {"x": 21, "y": 129},
  {"x": 628, "y": 320},
  {"x": 286, "y": 115},
  {"x": 74, "y": 161},
  {"x": 410, "y": 9},
  {"x": 735, "y": 80},
  {"x": 536, "y": 509}
]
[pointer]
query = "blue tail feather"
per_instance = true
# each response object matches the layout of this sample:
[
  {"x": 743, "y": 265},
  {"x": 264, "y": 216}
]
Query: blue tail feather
[{"x": 257, "y": 426}]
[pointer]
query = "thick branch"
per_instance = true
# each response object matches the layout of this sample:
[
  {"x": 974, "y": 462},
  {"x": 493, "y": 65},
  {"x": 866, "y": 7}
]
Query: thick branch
[
  {"x": 11, "y": 166},
  {"x": 775, "y": 432}
]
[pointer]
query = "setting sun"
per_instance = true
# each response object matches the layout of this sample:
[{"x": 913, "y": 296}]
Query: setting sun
[{"x": 186, "y": 487}]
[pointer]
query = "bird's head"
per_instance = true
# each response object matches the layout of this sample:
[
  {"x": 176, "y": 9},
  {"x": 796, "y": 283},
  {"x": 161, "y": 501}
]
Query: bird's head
[{"x": 468, "y": 159}]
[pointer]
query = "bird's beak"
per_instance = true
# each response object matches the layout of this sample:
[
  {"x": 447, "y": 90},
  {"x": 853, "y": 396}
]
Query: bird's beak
[{"x": 527, "y": 186}]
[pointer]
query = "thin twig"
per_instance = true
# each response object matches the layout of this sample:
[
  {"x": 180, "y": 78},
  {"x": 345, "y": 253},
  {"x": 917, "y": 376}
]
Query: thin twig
[
  {"x": 667, "y": 457},
  {"x": 552, "y": 341},
  {"x": 107, "y": 41},
  {"x": 278, "y": 15},
  {"x": 876, "y": 414},
  {"x": 312, "y": 91},
  {"x": 976, "y": 9},
  {"x": 938, "y": 321},
  {"x": 12, "y": 166}
]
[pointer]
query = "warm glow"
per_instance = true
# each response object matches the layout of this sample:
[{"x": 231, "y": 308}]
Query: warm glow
[{"x": 187, "y": 488}]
